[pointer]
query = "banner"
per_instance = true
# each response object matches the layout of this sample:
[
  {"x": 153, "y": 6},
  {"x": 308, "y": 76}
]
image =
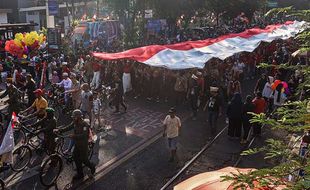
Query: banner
[{"x": 194, "y": 54}]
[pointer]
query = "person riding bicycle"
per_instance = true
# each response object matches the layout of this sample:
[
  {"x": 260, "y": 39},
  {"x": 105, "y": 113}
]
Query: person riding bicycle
[
  {"x": 39, "y": 105},
  {"x": 80, "y": 137},
  {"x": 14, "y": 97},
  {"x": 47, "y": 124}
]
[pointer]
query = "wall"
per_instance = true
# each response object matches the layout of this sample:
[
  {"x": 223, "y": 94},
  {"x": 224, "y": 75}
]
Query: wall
[{"x": 3, "y": 18}]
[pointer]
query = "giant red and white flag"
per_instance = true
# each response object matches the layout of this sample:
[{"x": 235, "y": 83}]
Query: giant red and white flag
[{"x": 194, "y": 54}]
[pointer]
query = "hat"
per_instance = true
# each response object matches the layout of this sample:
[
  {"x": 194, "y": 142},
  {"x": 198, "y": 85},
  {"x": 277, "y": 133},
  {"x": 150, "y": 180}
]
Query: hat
[
  {"x": 64, "y": 63},
  {"x": 65, "y": 74},
  {"x": 49, "y": 110},
  {"x": 38, "y": 91},
  {"x": 72, "y": 75},
  {"x": 271, "y": 79},
  {"x": 77, "y": 113},
  {"x": 171, "y": 110},
  {"x": 214, "y": 89}
]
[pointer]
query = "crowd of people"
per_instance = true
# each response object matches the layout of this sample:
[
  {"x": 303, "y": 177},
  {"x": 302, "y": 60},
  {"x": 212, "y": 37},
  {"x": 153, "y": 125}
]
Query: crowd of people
[{"x": 203, "y": 91}]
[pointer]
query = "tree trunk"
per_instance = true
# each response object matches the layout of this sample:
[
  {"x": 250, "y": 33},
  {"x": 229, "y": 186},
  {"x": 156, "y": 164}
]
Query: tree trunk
[
  {"x": 85, "y": 7},
  {"x": 97, "y": 8}
]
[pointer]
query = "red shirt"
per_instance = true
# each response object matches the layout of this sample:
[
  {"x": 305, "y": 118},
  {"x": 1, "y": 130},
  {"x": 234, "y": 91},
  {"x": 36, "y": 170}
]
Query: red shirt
[
  {"x": 96, "y": 66},
  {"x": 66, "y": 70},
  {"x": 260, "y": 105},
  {"x": 126, "y": 69}
]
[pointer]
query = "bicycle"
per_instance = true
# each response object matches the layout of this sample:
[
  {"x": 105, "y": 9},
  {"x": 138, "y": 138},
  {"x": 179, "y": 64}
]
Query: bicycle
[
  {"x": 21, "y": 158},
  {"x": 53, "y": 165},
  {"x": 106, "y": 97}
]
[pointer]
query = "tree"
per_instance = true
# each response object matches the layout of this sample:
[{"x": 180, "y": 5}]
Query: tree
[
  {"x": 231, "y": 9},
  {"x": 294, "y": 118}
]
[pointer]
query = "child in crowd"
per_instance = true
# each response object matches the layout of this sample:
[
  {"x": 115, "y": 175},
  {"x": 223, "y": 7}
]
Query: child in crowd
[{"x": 96, "y": 110}]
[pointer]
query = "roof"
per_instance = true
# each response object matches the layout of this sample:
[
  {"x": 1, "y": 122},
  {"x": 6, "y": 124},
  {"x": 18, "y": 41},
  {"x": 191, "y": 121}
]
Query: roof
[
  {"x": 5, "y": 10},
  {"x": 18, "y": 25}
]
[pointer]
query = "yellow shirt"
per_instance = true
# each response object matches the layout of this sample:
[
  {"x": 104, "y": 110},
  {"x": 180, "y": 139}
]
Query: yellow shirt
[{"x": 40, "y": 104}]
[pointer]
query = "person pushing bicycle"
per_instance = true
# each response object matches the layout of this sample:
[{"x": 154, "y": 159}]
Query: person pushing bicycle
[
  {"x": 80, "y": 136},
  {"x": 47, "y": 124}
]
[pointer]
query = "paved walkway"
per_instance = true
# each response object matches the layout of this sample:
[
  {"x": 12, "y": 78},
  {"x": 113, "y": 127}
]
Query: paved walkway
[{"x": 130, "y": 133}]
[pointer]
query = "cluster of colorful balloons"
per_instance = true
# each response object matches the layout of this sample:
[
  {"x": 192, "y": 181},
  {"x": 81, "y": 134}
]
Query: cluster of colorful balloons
[{"x": 24, "y": 43}]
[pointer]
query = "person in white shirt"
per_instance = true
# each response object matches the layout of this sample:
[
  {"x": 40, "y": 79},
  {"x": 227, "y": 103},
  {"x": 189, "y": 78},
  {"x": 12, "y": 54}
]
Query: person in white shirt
[
  {"x": 66, "y": 83},
  {"x": 172, "y": 125}
]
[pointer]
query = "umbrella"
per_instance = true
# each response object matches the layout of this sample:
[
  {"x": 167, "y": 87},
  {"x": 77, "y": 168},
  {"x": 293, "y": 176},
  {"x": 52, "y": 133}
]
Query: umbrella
[{"x": 213, "y": 181}]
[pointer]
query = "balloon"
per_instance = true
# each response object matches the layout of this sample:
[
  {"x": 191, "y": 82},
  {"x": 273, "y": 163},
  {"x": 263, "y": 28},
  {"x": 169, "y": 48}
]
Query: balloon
[
  {"x": 275, "y": 84},
  {"x": 26, "y": 50},
  {"x": 13, "y": 49},
  {"x": 285, "y": 85}
]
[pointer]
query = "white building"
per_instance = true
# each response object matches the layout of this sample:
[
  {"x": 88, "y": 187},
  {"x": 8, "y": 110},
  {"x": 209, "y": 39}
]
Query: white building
[{"x": 36, "y": 13}]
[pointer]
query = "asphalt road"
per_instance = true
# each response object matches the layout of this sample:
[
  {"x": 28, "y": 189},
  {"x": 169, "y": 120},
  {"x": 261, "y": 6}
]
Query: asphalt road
[{"x": 150, "y": 169}]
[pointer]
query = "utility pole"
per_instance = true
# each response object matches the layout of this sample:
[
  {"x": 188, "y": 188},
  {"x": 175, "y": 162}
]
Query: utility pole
[
  {"x": 97, "y": 8},
  {"x": 50, "y": 20}
]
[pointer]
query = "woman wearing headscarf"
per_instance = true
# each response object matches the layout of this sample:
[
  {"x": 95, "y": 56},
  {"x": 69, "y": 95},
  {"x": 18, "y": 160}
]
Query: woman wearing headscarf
[{"x": 234, "y": 114}]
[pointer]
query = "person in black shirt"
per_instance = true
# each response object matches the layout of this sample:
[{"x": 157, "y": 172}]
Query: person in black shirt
[
  {"x": 261, "y": 83},
  {"x": 118, "y": 94},
  {"x": 234, "y": 114},
  {"x": 193, "y": 94},
  {"x": 14, "y": 97},
  {"x": 214, "y": 107},
  {"x": 30, "y": 87},
  {"x": 47, "y": 124}
]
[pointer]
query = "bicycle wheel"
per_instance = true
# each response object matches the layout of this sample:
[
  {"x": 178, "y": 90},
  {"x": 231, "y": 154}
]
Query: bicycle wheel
[
  {"x": 19, "y": 137},
  {"x": 21, "y": 158},
  {"x": 2, "y": 184},
  {"x": 50, "y": 170}
]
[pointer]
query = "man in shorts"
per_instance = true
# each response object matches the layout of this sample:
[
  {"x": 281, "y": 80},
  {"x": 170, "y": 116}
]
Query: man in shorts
[{"x": 172, "y": 125}]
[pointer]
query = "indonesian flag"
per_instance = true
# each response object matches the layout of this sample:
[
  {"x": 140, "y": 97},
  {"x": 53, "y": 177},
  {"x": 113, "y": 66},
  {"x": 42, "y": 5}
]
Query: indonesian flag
[
  {"x": 195, "y": 54},
  {"x": 7, "y": 145}
]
